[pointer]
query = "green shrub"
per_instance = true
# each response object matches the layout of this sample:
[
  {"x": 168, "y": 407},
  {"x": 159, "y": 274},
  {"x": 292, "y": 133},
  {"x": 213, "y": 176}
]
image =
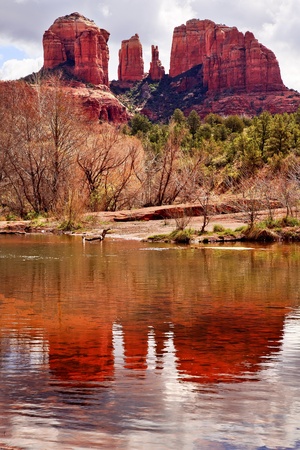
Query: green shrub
[
  {"x": 69, "y": 225},
  {"x": 290, "y": 222},
  {"x": 181, "y": 236},
  {"x": 241, "y": 228},
  {"x": 10, "y": 217},
  {"x": 279, "y": 223},
  {"x": 158, "y": 238},
  {"x": 218, "y": 228}
]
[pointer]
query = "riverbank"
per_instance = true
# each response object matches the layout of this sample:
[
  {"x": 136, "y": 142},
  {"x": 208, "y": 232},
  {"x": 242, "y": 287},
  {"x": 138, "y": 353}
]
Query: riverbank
[{"x": 145, "y": 223}]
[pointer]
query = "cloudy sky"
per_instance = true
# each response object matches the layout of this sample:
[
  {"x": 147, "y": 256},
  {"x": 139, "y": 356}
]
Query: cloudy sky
[{"x": 275, "y": 23}]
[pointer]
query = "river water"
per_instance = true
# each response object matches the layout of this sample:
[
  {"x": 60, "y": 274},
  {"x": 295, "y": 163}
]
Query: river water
[{"x": 128, "y": 345}]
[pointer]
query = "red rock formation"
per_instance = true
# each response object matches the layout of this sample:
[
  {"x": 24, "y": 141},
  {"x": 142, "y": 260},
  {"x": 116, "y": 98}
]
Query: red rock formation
[
  {"x": 99, "y": 103},
  {"x": 77, "y": 42},
  {"x": 230, "y": 59},
  {"x": 131, "y": 63},
  {"x": 249, "y": 104},
  {"x": 157, "y": 71}
]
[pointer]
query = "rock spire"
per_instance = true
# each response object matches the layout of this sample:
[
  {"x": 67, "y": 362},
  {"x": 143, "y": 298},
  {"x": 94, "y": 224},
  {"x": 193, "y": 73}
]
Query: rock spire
[
  {"x": 131, "y": 63},
  {"x": 157, "y": 71}
]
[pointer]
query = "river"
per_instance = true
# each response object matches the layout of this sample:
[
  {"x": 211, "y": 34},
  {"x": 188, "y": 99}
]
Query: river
[{"x": 131, "y": 345}]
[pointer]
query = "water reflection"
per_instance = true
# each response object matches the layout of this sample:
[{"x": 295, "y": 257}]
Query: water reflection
[
  {"x": 223, "y": 345},
  {"x": 119, "y": 347}
]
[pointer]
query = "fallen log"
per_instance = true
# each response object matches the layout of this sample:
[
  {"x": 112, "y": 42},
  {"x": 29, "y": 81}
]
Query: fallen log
[{"x": 99, "y": 237}]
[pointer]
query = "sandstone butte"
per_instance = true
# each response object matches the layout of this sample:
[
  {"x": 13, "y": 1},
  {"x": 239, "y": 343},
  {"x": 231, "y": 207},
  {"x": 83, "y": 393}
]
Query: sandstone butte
[
  {"x": 76, "y": 40},
  {"x": 215, "y": 68},
  {"x": 229, "y": 59},
  {"x": 77, "y": 46}
]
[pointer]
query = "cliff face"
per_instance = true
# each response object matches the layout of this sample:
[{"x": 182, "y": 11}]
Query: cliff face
[
  {"x": 230, "y": 59},
  {"x": 77, "y": 42},
  {"x": 131, "y": 63}
]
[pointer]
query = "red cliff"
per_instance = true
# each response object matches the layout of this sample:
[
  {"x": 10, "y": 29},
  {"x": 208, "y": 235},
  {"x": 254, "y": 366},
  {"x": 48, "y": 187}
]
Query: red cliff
[
  {"x": 157, "y": 71},
  {"x": 76, "y": 42},
  {"x": 230, "y": 59},
  {"x": 131, "y": 63}
]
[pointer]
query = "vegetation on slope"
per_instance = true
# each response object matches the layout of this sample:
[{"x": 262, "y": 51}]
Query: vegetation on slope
[{"x": 54, "y": 161}]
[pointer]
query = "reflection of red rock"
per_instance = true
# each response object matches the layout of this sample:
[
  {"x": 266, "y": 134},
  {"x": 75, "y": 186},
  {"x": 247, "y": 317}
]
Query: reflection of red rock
[
  {"x": 230, "y": 59},
  {"x": 131, "y": 63},
  {"x": 135, "y": 347},
  {"x": 81, "y": 355},
  {"x": 77, "y": 42},
  {"x": 223, "y": 348}
]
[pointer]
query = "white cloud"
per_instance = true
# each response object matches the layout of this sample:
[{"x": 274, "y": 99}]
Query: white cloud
[
  {"x": 173, "y": 13},
  {"x": 14, "y": 69},
  {"x": 275, "y": 23},
  {"x": 105, "y": 11}
]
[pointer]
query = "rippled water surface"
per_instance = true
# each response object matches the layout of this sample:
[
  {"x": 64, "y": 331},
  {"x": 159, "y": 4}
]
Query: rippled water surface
[{"x": 127, "y": 345}]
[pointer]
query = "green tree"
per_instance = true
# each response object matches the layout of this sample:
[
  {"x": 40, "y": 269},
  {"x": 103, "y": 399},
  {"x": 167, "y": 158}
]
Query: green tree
[
  {"x": 193, "y": 122},
  {"x": 279, "y": 142},
  {"x": 262, "y": 129},
  {"x": 204, "y": 132},
  {"x": 178, "y": 117},
  {"x": 234, "y": 123},
  {"x": 213, "y": 119},
  {"x": 141, "y": 123}
]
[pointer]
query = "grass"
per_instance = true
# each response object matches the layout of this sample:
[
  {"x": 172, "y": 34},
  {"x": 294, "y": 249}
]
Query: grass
[
  {"x": 10, "y": 217},
  {"x": 69, "y": 225},
  {"x": 285, "y": 228},
  {"x": 158, "y": 238},
  {"x": 259, "y": 234},
  {"x": 181, "y": 236},
  {"x": 218, "y": 228},
  {"x": 222, "y": 231},
  {"x": 279, "y": 223},
  {"x": 177, "y": 236}
]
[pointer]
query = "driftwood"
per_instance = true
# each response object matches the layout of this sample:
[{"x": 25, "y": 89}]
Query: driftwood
[{"x": 99, "y": 237}]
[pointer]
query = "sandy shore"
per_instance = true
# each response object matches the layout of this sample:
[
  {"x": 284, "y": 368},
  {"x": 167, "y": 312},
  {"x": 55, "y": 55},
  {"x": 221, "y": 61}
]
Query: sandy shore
[
  {"x": 142, "y": 229},
  {"x": 93, "y": 224}
]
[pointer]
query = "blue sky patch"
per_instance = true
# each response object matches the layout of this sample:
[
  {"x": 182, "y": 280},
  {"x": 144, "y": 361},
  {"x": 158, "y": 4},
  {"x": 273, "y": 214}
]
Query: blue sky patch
[{"x": 11, "y": 52}]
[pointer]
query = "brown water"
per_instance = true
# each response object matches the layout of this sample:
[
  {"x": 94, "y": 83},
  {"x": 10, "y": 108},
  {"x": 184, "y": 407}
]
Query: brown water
[{"x": 127, "y": 345}]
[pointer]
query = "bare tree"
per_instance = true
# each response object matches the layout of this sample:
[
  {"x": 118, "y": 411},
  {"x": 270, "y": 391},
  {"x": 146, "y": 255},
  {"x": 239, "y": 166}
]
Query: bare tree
[
  {"x": 107, "y": 161},
  {"x": 43, "y": 133},
  {"x": 204, "y": 194},
  {"x": 288, "y": 191},
  {"x": 23, "y": 165},
  {"x": 168, "y": 173},
  {"x": 66, "y": 127},
  {"x": 118, "y": 189},
  {"x": 249, "y": 199}
]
